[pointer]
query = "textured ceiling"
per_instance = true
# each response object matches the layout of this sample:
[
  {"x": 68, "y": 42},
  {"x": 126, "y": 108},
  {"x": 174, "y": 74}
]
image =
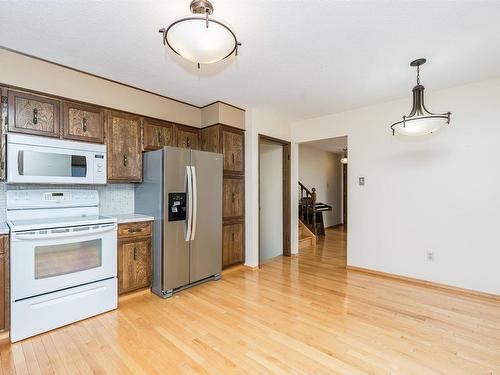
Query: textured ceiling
[{"x": 307, "y": 58}]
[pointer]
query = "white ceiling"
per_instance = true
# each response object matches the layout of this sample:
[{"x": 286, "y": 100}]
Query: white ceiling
[
  {"x": 336, "y": 145},
  {"x": 307, "y": 58}
]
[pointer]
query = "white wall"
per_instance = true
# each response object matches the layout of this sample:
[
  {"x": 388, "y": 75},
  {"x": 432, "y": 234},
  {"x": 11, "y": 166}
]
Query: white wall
[
  {"x": 436, "y": 193},
  {"x": 322, "y": 170},
  {"x": 271, "y": 200},
  {"x": 277, "y": 125}
]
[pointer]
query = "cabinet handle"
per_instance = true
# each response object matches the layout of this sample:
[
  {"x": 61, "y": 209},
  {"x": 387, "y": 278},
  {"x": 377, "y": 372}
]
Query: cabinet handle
[
  {"x": 232, "y": 197},
  {"x": 35, "y": 115},
  {"x": 232, "y": 158},
  {"x": 232, "y": 235},
  {"x": 159, "y": 137},
  {"x": 135, "y": 253},
  {"x": 134, "y": 230},
  {"x": 84, "y": 124},
  {"x": 125, "y": 160}
]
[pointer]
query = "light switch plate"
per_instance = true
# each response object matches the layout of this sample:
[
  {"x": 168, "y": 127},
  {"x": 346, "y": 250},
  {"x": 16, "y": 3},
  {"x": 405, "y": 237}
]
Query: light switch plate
[{"x": 361, "y": 181}]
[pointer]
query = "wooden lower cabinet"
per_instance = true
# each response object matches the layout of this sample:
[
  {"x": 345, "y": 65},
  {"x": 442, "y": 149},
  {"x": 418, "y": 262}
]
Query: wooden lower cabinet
[
  {"x": 134, "y": 256},
  {"x": 4, "y": 283},
  {"x": 232, "y": 244}
]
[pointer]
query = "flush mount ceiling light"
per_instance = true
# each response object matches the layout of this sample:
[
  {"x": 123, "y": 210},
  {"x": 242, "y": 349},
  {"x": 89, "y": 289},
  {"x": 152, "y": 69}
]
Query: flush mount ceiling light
[
  {"x": 201, "y": 39},
  {"x": 343, "y": 160},
  {"x": 420, "y": 121}
]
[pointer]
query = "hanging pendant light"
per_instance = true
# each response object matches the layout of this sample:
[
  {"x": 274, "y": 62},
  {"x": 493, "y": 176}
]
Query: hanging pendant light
[
  {"x": 420, "y": 121},
  {"x": 343, "y": 159},
  {"x": 200, "y": 38}
]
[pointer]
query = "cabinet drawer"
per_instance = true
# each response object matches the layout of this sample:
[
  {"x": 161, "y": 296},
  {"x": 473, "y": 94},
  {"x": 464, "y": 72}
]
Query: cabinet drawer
[
  {"x": 234, "y": 152},
  {"x": 33, "y": 114},
  {"x": 232, "y": 244},
  {"x": 233, "y": 199},
  {"x": 157, "y": 134},
  {"x": 83, "y": 122},
  {"x": 133, "y": 230}
]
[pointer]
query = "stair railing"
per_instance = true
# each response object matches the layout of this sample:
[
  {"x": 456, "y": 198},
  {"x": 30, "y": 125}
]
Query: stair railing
[{"x": 307, "y": 207}]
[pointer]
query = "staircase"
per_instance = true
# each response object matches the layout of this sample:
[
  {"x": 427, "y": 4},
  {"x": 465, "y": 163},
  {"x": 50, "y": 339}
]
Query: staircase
[
  {"x": 306, "y": 237},
  {"x": 311, "y": 211}
]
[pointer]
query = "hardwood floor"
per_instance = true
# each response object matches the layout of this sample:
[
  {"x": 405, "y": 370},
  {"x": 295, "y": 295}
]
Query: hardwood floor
[{"x": 299, "y": 315}]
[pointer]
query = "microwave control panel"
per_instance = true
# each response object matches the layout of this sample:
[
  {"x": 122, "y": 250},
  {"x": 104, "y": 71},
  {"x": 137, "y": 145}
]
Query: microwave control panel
[{"x": 99, "y": 168}]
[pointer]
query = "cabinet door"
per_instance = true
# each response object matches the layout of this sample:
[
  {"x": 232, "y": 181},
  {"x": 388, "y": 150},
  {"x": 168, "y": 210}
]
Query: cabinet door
[
  {"x": 83, "y": 122},
  {"x": 3, "y": 115},
  {"x": 124, "y": 147},
  {"x": 232, "y": 244},
  {"x": 157, "y": 134},
  {"x": 134, "y": 265},
  {"x": 187, "y": 137},
  {"x": 233, "y": 150},
  {"x": 33, "y": 114},
  {"x": 233, "y": 200}
]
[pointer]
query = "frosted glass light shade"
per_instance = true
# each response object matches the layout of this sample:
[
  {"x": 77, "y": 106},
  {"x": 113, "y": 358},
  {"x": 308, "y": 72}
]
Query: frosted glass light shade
[
  {"x": 192, "y": 39},
  {"x": 420, "y": 126}
]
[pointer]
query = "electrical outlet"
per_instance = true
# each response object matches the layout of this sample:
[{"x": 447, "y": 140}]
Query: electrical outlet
[
  {"x": 430, "y": 256},
  {"x": 361, "y": 181}
]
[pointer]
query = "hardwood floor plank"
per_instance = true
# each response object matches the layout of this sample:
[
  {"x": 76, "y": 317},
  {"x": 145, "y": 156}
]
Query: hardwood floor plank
[{"x": 305, "y": 314}]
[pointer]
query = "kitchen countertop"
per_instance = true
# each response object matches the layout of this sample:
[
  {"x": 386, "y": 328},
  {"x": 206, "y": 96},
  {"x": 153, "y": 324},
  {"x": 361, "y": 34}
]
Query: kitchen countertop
[
  {"x": 131, "y": 218},
  {"x": 4, "y": 228}
]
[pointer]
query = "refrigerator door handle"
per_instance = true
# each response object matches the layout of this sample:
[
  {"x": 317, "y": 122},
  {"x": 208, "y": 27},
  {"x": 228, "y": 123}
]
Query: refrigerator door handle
[
  {"x": 194, "y": 195},
  {"x": 189, "y": 216}
]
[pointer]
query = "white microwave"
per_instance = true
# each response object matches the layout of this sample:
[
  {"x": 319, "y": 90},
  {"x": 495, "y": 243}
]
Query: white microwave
[{"x": 38, "y": 160}]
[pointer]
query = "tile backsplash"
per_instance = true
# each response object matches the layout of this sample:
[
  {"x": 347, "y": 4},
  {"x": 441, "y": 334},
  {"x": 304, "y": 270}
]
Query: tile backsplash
[{"x": 113, "y": 198}]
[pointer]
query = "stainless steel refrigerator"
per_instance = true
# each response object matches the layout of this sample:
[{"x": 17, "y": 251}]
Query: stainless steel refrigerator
[{"x": 182, "y": 190}]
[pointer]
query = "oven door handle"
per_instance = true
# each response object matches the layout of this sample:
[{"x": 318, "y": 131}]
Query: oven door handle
[{"x": 81, "y": 231}]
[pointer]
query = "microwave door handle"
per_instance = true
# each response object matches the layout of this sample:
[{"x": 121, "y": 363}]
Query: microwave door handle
[
  {"x": 194, "y": 196},
  {"x": 189, "y": 204},
  {"x": 70, "y": 233}
]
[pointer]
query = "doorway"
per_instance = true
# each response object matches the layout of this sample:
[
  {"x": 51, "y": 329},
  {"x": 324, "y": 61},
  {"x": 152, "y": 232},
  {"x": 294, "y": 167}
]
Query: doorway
[{"x": 274, "y": 198}]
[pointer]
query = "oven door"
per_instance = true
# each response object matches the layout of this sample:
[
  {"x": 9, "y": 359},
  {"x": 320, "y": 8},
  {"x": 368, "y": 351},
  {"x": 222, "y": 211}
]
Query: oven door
[
  {"x": 45, "y": 261},
  {"x": 49, "y": 165}
]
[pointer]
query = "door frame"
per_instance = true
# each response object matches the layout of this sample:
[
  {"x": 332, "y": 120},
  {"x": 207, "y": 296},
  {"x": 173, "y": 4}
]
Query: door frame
[
  {"x": 287, "y": 192},
  {"x": 345, "y": 172}
]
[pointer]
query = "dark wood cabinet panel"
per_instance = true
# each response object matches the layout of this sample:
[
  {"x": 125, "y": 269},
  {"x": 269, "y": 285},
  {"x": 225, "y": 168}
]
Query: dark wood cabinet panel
[
  {"x": 124, "y": 147},
  {"x": 4, "y": 283},
  {"x": 133, "y": 230},
  {"x": 187, "y": 137},
  {"x": 210, "y": 139},
  {"x": 157, "y": 134},
  {"x": 233, "y": 197},
  {"x": 232, "y": 244},
  {"x": 234, "y": 151},
  {"x": 33, "y": 114},
  {"x": 83, "y": 122},
  {"x": 134, "y": 265}
]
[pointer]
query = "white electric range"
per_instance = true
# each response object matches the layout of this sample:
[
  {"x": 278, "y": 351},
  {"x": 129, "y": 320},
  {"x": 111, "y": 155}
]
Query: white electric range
[{"x": 63, "y": 259}]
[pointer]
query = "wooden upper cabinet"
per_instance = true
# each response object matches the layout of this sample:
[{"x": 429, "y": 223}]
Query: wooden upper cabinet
[
  {"x": 33, "y": 114},
  {"x": 210, "y": 139},
  {"x": 157, "y": 134},
  {"x": 124, "y": 147},
  {"x": 187, "y": 137},
  {"x": 83, "y": 122},
  {"x": 234, "y": 151},
  {"x": 233, "y": 198}
]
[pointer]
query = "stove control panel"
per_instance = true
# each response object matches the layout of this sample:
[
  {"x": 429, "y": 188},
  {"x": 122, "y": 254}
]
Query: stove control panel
[{"x": 51, "y": 198}]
